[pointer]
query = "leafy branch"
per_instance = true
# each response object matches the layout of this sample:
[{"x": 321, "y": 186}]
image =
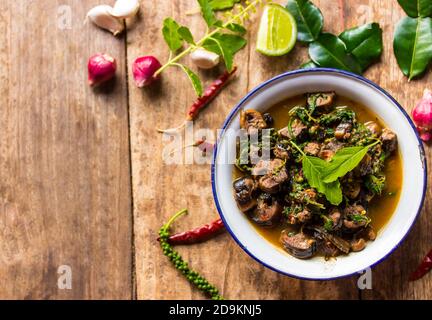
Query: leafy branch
[
  {"x": 324, "y": 176},
  {"x": 222, "y": 38}
]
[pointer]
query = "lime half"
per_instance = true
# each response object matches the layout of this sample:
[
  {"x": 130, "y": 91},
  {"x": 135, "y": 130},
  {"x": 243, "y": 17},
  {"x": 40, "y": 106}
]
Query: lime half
[{"x": 277, "y": 32}]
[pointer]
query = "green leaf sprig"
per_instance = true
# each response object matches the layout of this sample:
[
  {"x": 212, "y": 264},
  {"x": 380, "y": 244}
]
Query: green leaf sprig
[
  {"x": 312, "y": 169},
  {"x": 353, "y": 50},
  {"x": 412, "y": 43},
  {"x": 193, "y": 277},
  {"x": 224, "y": 38},
  {"x": 324, "y": 176}
]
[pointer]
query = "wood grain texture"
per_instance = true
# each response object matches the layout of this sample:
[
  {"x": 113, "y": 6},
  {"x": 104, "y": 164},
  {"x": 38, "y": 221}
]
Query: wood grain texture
[
  {"x": 64, "y": 157},
  {"x": 159, "y": 190},
  {"x": 65, "y": 174}
]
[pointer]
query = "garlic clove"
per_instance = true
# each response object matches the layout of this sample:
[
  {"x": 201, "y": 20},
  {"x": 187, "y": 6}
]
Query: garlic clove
[
  {"x": 204, "y": 59},
  {"x": 102, "y": 17},
  {"x": 125, "y": 8}
]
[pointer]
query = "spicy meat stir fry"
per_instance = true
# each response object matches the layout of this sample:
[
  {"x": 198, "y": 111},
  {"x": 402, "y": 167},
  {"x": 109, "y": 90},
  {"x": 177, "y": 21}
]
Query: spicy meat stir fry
[{"x": 325, "y": 168}]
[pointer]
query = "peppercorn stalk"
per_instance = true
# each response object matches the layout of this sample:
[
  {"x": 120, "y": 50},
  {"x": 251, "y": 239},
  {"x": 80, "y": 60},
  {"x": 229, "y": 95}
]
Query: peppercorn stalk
[{"x": 193, "y": 277}]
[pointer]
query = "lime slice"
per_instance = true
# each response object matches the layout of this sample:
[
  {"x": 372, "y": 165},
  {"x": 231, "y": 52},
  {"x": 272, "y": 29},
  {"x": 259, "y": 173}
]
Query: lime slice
[{"x": 277, "y": 32}]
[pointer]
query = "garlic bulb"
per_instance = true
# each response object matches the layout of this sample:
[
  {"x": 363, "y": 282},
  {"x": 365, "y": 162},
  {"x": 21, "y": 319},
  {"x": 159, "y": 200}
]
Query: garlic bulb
[
  {"x": 102, "y": 17},
  {"x": 204, "y": 59},
  {"x": 125, "y": 8}
]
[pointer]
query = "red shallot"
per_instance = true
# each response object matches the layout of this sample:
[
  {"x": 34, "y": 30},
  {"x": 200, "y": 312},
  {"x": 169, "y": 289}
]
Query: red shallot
[
  {"x": 422, "y": 116},
  {"x": 101, "y": 68},
  {"x": 144, "y": 69}
]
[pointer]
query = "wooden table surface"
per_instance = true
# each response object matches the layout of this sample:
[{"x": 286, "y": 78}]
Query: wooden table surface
[{"x": 82, "y": 181}]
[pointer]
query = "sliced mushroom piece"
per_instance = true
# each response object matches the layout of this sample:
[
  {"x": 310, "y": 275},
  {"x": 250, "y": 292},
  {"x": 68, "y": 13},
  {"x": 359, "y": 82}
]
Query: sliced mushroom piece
[
  {"x": 343, "y": 131},
  {"x": 340, "y": 243},
  {"x": 328, "y": 249},
  {"x": 281, "y": 151},
  {"x": 389, "y": 140},
  {"x": 326, "y": 155},
  {"x": 300, "y": 217},
  {"x": 367, "y": 233},
  {"x": 353, "y": 214},
  {"x": 306, "y": 196},
  {"x": 298, "y": 130},
  {"x": 268, "y": 119},
  {"x": 358, "y": 244},
  {"x": 274, "y": 174},
  {"x": 298, "y": 245},
  {"x": 284, "y": 133},
  {"x": 336, "y": 217},
  {"x": 252, "y": 121},
  {"x": 268, "y": 211},
  {"x": 329, "y": 149},
  {"x": 352, "y": 189},
  {"x": 365, "y": 166},
  {"x": 244, "y": 189},
  {"x": 272, "y": 183},
  {"x": 312, "y": 148},
  {"x": 322, "y": 99},
  {"x": 373, "y": 127},
  {"x": 370, "y": 233}
]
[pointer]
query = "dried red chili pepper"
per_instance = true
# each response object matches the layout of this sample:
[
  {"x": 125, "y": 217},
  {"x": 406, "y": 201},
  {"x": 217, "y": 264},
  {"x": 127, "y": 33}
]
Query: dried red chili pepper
[
  {"x": 209, "y": 94},
  {"x": 424, "y": 267},
  {"x": 199, "y": 234}
]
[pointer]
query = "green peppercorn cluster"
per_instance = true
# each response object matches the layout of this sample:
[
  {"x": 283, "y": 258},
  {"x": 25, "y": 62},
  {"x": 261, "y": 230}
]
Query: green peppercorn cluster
[{"x": 194, "y": 277}]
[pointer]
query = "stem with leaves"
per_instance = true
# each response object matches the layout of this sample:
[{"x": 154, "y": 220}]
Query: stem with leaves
[{"x": 216, "y": 40}]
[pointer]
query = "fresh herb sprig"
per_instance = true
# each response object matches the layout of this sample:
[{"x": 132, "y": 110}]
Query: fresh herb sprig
[
  {"x": 313, "y": 168},
  {"x": 194, "y": 277},
  {"x": 353, "y": 50},
  {"x": 324, "y": 176},
  {"x": 344, "y": 161},
  {"x": 224, "y": 38}
]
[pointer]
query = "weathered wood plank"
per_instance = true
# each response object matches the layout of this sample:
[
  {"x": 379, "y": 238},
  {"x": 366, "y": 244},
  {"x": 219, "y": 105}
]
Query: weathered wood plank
[
  {"x": 390, "y": 278},
  {"x": 64, "y": 160},
  {"x": 160, "y": 190}
]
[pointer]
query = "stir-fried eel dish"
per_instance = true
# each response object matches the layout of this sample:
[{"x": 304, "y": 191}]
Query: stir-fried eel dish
[{"x": 325, "y": 171}]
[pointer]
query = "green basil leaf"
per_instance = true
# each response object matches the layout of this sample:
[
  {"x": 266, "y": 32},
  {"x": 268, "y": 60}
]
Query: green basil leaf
[
  {"x": 237, "y": 28},
  {"x": 417, "y": 8},
  {"x": 364, "y": 43},
  {"x": 412, "y": 45},
  {"x": 186, "y": 34},
  {"x": 309, "y": 65},
  {"x": 344, "y": 161},
  {"x": 329, "y": 51},
  {"x": 195, "y": 80},
  {"x": 312, "y": 169},
  {"x": 217, "y": 5},
  {"x": 225, "y": 45},
  {"x": 171, "y": 35},
  {"x": 308, "y": 17},
  {"x": 207, "y": 12},
  {"x": 333, "y": 193}
]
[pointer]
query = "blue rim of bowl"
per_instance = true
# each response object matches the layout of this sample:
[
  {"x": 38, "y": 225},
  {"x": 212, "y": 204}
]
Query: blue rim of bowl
[{"x": 305, "y": 71}]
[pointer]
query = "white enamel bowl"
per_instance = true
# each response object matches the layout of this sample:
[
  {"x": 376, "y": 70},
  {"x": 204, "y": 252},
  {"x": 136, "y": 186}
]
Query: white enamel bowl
[{"x": 391, "y": 113}]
